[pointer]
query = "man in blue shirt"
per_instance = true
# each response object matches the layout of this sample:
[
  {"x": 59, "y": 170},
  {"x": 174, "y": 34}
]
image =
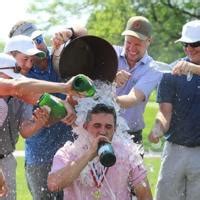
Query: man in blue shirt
[
  {"x": 41, "y": 147},
  {"x": 178, "y": 119}
]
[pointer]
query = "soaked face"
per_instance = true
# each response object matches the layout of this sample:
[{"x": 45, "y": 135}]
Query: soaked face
[
  {"x": 24, "y": 61},
  {"x": 101, "y": 124},
  {"x": 135, "y": 49},
  {"x": 192, "y": 50}
]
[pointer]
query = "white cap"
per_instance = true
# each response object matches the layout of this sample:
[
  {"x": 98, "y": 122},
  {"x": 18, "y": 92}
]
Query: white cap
[
  {"x": 23, "y": 44},
  {"x": 8, "y": 61},
  {"x": 190, "y": 32}
]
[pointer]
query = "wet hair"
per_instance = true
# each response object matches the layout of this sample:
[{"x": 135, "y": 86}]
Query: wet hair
[{"x": 102, "y": 108}]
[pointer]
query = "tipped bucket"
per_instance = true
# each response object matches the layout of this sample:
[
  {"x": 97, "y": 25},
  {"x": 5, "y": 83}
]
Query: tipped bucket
[{"x": 89, "y": 55}]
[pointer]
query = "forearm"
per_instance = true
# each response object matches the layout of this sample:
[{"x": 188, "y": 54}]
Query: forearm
[
  {"x": 162, "y": 122},
  {"x": 31, "y": 89},
  {"x": 143, "y": 190},
  {"x": 29, "y": 128},
  {"x": 195, "y": 69},
  {"x": 65, "y": 176},
  {"x": 131, "y": 99},
  {"x": 2, "y": 180},
  {"x": 126, "y": 101}
]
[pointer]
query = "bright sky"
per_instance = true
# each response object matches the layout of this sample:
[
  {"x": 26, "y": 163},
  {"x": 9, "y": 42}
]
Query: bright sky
[{"x": 11, "y": 11}]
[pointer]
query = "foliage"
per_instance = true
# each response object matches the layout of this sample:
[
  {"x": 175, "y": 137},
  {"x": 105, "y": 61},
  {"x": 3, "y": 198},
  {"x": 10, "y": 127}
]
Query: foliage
[
  {"x": 1, "y": 46},
  {"x": 108, "y": 18}
]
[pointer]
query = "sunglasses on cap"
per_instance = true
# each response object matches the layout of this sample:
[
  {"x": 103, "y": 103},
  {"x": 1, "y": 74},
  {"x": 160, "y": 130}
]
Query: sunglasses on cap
[
  {"x": 192, "y": 45},
  {"x": 38, "y": 40},
  {"x": 16, "y": 68}
]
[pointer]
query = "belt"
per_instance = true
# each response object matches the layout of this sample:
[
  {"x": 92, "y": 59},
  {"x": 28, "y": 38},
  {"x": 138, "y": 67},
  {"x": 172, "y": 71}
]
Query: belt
[{"x": 137, "y": 136}]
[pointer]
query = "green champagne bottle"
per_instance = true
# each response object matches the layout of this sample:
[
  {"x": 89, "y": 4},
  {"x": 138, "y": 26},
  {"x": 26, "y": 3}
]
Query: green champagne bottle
[
  {"x": 83, "y": 84},
  {"x": 57, "y": 109}
]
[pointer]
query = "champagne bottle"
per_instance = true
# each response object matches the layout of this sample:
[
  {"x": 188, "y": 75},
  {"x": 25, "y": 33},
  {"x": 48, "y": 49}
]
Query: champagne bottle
[
  {"x": 106, "y": 154},
  {"x": 82, "y": 83},
  {"x": 57, "y": 108}
]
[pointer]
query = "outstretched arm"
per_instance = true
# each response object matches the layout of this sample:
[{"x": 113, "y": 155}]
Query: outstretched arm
[
  {"x": 30, "y": 90},
  {"x": 184, "y": 67}
]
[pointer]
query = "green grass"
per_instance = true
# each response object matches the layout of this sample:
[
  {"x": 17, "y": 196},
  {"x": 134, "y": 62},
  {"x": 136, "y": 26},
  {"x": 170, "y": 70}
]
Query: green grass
[
  {"x": 22, "y": 189},
  {"x": 153, "y": 167}
]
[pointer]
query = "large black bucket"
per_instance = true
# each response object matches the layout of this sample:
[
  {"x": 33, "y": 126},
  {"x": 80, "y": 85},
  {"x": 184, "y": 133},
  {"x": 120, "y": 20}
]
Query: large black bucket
[{"x": 89, "y": 55}]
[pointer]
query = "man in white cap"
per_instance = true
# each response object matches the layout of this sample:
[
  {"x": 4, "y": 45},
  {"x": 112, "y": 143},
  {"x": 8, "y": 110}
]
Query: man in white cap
[
  {"x": 23, "y": 49},
  {"x": 178, "y": 120},
  {"x": 136, "y": 78}
]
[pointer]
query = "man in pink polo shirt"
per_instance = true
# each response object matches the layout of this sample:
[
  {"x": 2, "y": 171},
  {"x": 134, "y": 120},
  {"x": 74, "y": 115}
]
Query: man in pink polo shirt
[{"x": 77, "y": 169}]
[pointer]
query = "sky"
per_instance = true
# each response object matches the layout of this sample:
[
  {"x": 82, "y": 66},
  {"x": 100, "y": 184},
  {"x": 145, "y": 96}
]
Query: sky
[{"x": 11, "y": 11}]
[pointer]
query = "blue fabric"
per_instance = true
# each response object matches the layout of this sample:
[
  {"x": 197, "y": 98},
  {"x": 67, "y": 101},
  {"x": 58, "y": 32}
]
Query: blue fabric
[
  {"x": 185, "y": 97},
  {"x": 144, "y": 78},
  {"x": 41, "y": 147},
  {"x": 48, "y": 75}
]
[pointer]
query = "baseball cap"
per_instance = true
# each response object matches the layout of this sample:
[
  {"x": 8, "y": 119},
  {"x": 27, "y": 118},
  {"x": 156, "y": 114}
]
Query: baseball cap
[
  {"x": 7, "y": 61},
  {"x": 190, "y": 32},
  {"x": 23, "y": 44},
  {"x": 138, "y": 26}
]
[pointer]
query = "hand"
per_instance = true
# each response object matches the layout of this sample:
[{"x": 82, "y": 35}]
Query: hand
[
  {"x": 3, "y": 186},
  {"x": 155, "y": 134},
  {"x": 95, "y": 144},
  {"x": 41, "y": 116},
  {"x": 71, "y": 115},
  {"x": 61, "y": 37},
  {"x": 122, "y": 77},
  {"x": 153, "y": 138},
  {"x": 182, "y": 67},
  {"x": 71, "y": 91}
]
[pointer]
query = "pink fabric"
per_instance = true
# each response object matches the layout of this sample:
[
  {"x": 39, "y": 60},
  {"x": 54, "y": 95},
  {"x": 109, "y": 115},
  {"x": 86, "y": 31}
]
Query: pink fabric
[{"x": 128, "y": 168}]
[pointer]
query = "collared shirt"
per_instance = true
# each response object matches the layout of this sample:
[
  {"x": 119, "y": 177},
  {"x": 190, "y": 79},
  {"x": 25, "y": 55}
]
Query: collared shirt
[
  {"x": 144, "y": 78},
  {"x": 184, "y": 96},
  {"x": 97, "y": 182}
]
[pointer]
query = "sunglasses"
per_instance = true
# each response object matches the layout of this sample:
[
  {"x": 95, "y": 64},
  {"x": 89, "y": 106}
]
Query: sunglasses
[
  {"x": 16, "y": 68},
  {"x": 38, "y": 40},
  {"x": 192, "y": 45}
]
